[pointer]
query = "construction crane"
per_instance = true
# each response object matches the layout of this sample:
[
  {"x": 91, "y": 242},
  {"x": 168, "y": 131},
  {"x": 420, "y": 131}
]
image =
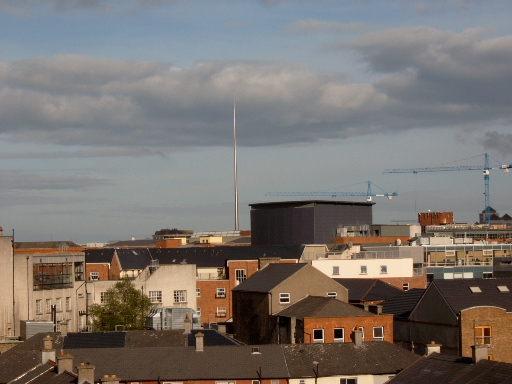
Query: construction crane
[
  {"x": 369, "y": 194},
  {"x": 485, "y": 168}
]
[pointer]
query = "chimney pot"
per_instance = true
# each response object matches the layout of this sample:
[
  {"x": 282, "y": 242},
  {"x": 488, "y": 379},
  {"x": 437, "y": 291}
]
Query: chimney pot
[
  {"x": 432, "y": 348},
  {"x": 199, "y": 342}
]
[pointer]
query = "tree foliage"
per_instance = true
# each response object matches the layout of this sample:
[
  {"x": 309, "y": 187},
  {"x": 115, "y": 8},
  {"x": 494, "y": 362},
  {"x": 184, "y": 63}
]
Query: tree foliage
[{"x": 124, "y": 305}]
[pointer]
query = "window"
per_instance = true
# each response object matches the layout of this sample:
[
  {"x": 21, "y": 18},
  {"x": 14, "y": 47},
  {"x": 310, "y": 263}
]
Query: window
[
  {"x": 364, "y": 271},
  {"x": 503, "y": 288},
  {"x": 318, "y": 335},
  {"x": 475, "y": 289},
  {"x": 255, "y": 382},
  {"x": 225, "y": 382},
  {"x": 483, "y": 335},
  {"x": 240, "y": 275},
  {"x": 94, "y": 276},
  {"x": 405, "y": 286},
  {"x": 68, "y": 303},
  {"x": 336, "y": 270},
  {"x": 339, "y": 335},
  {"x": 284, "y": 298},
  {"x": 332, "y": 294},
  {"x": 221, "y": 292},
  {"x": 383, "y": 269},
  {"x": 52, "y": 276},
  {"x": 103, "y": 297},
  {"x": 180, "y": 296},
  {"x": 198, "y": 313},
  {"x": 58, "y": 304},
  {"x": 39, "y": 307},
  {"x": 198, "y": 292},
  {"x": 48, "y": 305},
  {"x": 378, "y": 333},
  {"x": 274, "y": 381},
  {"x": 349, "y": 380},
  {"x": 156, "y": 296},
  {"x": 221, "y": 311}
]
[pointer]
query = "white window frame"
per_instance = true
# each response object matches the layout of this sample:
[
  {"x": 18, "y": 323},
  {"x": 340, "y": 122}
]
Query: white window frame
[
  {"x": 240, "y": 275},
  {"x": 316, "y": 340},
  {"x": 332, "y": 294},
  {"x": 48, "y": 305},
  {"x": 103, "y": 297},
  {"x": 220, "y": 292},
  {"x": 198, "y": 292},
  {"x": 221, "y": 312},
  {"x": 39, "y": 307},
  {"x": 348, "y": 380},
  {"x": 68, "y": 304},
  {"x": 225, "y": 382},
  {"x": 378, "y": 338},
  {"x": 339, "y": 339},
  {"x": 406, "y": 286},
  {"x": 180, "y": 296},
  {"x": 94, "y": 275},
  {"x": 284, "y": 298},
  {"x": 155, "y": 297},
  {"x": 58, "y": 304},
  {"x": 198, "y": 312}
]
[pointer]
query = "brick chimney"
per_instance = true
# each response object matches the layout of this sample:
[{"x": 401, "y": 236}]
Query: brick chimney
[
  {"x": 85, "y": 373},
  {"x": 432, "y": 348},
  {"x": 480, "y": 352},
  {"x": 358, "y": 337},
  {"x": 199, "y": 342},
  {"x": 47, "y": 353},
  {"x": 64, "y": 362},
  {"x": 64, "y": 327},
  {"x": 113, "y": 379}
]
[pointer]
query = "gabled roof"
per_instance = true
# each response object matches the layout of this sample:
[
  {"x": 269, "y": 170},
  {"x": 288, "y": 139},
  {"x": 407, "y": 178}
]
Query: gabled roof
[
  {"x": 322, "y": 307},
  {"x": 135, "y": 258},
  {"x": 371, "y": 358},
  {"x": 360, "y": 290},
  {"x": 402, "y": 305},
  {"x": 459, "y": 293},
  {"x": 102, "y": 255},
  {"x": 449, "y": 369},
  {"x": 218, "y": 256},
  {"x": 269, "y": 277}
]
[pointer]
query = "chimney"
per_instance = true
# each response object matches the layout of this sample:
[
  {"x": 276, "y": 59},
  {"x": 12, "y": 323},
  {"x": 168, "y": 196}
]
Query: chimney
[
  {"x": 85, "y": 373},
  {"x": 188, "y": 324},
  {"x": 199, "y": 342},
  {"x": 366, "y": 307},
  {"x": 358, "y": 337},
  {"x": 47, "y": 353},
  {"x": 379, "y": 309},
  {"x": 432, "y": 348},
  {"x": 64, "y": 362},
  {"x": 480, "y": 352},
  {"x": 110, "y": 379},
  {"x": 64, "y": 327}
]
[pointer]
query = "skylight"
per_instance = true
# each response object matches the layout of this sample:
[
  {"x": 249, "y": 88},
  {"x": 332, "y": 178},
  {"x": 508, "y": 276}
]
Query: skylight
[
  {"x": 475, "y": 289},
  {"x": 503, "y": 288}
]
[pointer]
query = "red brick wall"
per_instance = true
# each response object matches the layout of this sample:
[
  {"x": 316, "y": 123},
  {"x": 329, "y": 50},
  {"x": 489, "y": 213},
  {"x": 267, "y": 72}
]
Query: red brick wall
[
  {"x": 115, "y": 269},
  {"x": 414, "y": 281},
  {"x": 349, "y": 323},
  {"x": 208, "y": 302},
  {"x": 102, "y": 269},
  {"x": 501, "y": 325}
]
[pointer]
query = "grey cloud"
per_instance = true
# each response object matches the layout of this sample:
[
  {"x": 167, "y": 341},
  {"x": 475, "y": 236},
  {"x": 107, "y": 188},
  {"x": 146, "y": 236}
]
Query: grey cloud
[
  {"x": 14, "y": 180},
  {"x": 427, "y": 78},
  {"x": 87, "y": 153},
  {"x": 313, "y": 25},
  {"x": 500, "y": 142}
]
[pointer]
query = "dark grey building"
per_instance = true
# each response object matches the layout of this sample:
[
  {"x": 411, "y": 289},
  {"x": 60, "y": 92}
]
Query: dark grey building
[{"x": 305, "y": 222}]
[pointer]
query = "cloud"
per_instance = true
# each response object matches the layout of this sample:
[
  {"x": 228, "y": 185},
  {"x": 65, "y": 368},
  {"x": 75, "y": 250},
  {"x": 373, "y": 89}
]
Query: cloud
[
  {"x": 425, "y": 78},
  {"x": 312, "y": 25},
  {"x": 86, "y": 153},
  {"x": 14, "y": 180},
  {"x": 500, "y": 142}
]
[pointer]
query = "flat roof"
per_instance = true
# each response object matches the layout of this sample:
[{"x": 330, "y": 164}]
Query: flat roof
[{"x": 306, "y": 202}]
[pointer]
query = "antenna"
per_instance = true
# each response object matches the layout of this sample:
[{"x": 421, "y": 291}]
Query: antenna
[{"x": 234, "y": 161}]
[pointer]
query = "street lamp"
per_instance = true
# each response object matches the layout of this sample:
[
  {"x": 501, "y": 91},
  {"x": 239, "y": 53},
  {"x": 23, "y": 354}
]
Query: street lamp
[{"x": 316, "y": 364}]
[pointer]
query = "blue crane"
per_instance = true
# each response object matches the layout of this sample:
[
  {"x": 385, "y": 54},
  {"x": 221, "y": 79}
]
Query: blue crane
[
  {"x": 369, "y": 194},
  {"x": 485, "y": 168}
]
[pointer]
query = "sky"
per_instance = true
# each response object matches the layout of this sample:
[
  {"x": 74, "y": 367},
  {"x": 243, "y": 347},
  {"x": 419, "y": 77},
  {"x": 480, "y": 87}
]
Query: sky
[{"x": 117, "y": 116}]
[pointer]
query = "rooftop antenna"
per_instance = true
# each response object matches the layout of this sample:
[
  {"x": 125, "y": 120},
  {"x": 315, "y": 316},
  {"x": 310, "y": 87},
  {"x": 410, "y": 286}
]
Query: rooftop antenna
[{"x": 234, "y": 161}]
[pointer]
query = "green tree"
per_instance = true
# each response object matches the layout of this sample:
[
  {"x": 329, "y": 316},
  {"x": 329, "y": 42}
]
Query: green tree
[{"x": 124, "y": 305}]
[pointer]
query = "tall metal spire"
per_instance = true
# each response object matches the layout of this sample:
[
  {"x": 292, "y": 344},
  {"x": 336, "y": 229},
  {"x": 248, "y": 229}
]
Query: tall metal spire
[{"x": 234, "y": 162}]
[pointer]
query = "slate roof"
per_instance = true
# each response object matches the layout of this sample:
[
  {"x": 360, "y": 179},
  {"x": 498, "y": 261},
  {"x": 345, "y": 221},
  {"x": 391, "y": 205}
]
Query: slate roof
[
  {"x": 269, "y": 277},
  {"x": 133, "y": 243},
  {"x": 102, "y": 255},
  {"x": 322, "y": 307},
  {"x": 448, "y": 369},
  {"x": 458, "y": 295},
  {"x": 218, "y": 256},
  {"x": 45, "y": 244},
  {"x": 360, "y": 290},
  {"x": 373, "y": 357},
  {"x": 402, "y": 305},
  {"x": 135, "y": 258}
]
